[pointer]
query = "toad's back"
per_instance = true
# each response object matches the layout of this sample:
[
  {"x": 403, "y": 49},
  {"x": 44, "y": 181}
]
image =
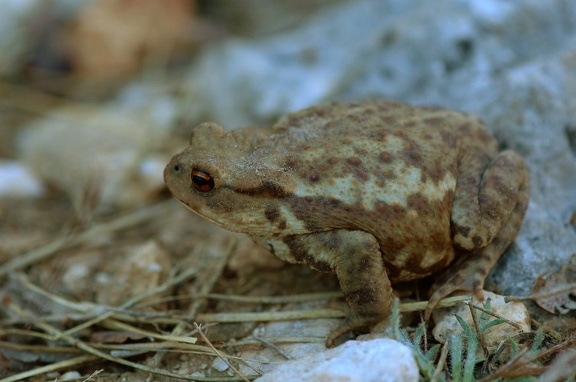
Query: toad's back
[{"x": 382, "y": 167}]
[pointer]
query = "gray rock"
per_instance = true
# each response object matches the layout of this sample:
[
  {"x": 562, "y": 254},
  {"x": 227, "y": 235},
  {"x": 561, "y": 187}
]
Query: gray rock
[{"x": 511, "y": 63}]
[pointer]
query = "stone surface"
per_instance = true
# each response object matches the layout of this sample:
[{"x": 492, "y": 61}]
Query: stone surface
[
  {"x": 378, "y": 360},
  {"x": 447, "y": 325},
  {"x": 511, "y": 63}
]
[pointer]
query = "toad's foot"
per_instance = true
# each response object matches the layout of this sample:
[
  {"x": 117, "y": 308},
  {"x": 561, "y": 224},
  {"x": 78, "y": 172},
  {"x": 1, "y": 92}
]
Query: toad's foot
[
  {"x": 353, "y": 323},
  {"x": 466, "y": 278}
]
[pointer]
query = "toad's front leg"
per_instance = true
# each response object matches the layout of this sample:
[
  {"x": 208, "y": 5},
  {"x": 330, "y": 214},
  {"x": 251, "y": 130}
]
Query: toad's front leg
[{"x": 356, "y": 259}]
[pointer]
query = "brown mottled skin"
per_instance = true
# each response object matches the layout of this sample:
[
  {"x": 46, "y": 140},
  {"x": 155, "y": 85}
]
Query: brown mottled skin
[{"x": 375, "y": 191}]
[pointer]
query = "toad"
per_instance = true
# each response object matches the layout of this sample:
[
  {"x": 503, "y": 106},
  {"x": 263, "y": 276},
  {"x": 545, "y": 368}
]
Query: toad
[{"x": 375, "y": 191}]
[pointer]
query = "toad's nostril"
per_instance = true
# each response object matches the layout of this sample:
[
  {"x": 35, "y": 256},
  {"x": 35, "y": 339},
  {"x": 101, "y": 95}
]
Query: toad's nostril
[{"x": 177, "y": 167}]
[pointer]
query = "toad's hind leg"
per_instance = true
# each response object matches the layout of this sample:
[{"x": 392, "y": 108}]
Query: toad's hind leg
[
  {"x": 502, "y": 202},
  {"x": 486, "y": 196}
]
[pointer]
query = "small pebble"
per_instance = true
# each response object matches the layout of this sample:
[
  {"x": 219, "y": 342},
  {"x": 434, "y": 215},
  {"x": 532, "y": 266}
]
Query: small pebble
[
  {"x": 447, "y": 325},
  {"x": 16, "y": 180},
  {"x": 219, "y": 365}
]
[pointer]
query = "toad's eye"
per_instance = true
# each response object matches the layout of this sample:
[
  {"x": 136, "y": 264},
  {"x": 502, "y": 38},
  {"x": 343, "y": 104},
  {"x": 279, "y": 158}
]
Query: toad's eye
[{"x": 201, "y": 180}]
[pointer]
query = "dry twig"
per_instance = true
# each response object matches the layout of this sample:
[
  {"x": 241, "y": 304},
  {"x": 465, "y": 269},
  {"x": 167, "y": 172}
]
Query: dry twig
[{"x": 219, "y": 354}]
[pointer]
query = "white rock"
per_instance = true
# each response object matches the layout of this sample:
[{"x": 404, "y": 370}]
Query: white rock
[
  {"x": 219, "y": 365},
  {"x": 17, "y": 180},
  {"x": 447, "y": 325},
  {"x": 70, "y": 375},
  {"x": 378, "y": 360}
]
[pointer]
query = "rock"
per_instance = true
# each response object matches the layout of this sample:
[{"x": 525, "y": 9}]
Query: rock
[
  {"x": 361, "y": 361},
  {"x": 99, "y": 158},
  {"x": 70, "y": 376},
  {"x": 266, "y": 359},
  {"x": 16, "y": 180},
  {"x": 447, "y": 325},
  {"x": 219, "y": 365},
  {"x": 290, "y": 71}
]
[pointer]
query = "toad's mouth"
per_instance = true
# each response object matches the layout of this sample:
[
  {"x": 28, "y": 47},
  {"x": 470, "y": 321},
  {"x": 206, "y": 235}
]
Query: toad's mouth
[{"x": 196, "y": 210}]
